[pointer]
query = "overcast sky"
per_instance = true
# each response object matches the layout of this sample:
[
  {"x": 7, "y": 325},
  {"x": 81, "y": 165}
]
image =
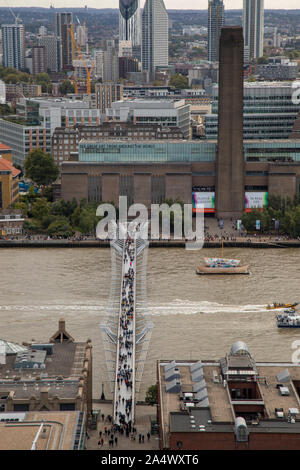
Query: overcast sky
[{"x": 170, "y": 4}]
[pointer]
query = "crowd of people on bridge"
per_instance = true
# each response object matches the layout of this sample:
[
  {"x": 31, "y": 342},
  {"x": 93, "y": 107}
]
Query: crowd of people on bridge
[{"x": 123, "y": 405}]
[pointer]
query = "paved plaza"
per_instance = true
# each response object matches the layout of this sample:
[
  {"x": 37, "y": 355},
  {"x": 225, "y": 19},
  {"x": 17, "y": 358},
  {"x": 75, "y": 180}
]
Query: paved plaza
[{"x": 144, "y": 415}]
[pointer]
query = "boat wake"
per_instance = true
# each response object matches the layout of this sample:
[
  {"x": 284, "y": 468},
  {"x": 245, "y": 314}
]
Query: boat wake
[
  {"x": 182, "y": 307},
  {"x": 176, "y": 307}
]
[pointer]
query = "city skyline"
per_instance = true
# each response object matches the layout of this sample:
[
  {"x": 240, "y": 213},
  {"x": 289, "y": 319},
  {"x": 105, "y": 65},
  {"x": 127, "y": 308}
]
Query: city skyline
[{"x": 170, "y": 4}]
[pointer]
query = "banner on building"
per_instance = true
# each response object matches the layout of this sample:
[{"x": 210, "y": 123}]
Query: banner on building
[
  {"x": 204, "y": 202},
  {"x": 255, "y": 200}
]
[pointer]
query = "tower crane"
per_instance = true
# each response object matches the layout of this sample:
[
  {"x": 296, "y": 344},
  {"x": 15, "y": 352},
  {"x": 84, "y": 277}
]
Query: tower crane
[{"x": 88, "y": 69}]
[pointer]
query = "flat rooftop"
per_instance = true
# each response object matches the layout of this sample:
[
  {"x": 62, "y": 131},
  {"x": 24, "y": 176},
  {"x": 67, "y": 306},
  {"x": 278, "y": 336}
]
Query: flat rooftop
[
  {"x": 60, "y": 429},
  {"x": 219, "y": 415},
  {"x": 60, "y": 376}
]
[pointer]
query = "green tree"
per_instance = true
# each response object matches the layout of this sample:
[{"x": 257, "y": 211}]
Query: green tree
[
  {"x": 64, "y": 208},
  {"x": 32, "y": 226},
  {"x": 11, "y": 78},
  {"x": 251, "y": 78},
  {"x": 5, "y": 109},
  {"x": 60, "y": 227},
  {"x": 152, "y": 395},
  {"x": 40, "y": 208},
  {"x": 43, "y": 79},
  {"x": 179, "y": 81},
  {"x": 40, "y": 167},
  {"x": 22, "y": 206},
  {"x": 66, "y": 87},
  {"x": 87, "y": 221},
  {"x": 263, "y": 60}
]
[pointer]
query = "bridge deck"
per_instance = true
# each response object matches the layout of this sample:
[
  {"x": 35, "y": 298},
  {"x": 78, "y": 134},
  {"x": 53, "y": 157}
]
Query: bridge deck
[{"x": 124, "y": 397}]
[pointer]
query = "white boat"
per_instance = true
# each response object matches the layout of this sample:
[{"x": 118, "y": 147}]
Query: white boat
[
  {"x": 288, "y": 320},
  {"x": 221, "y": 262},
  {"x": 222, "y": 266}
]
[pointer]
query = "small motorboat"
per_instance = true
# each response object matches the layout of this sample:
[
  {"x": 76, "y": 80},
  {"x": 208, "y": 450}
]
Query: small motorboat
[{"x": 276, "y": 305}]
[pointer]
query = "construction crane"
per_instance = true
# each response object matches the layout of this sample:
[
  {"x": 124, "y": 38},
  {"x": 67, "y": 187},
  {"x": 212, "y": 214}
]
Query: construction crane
[
  {"x": 88, "y": 69},
  {"x": 17, "y": 19}
]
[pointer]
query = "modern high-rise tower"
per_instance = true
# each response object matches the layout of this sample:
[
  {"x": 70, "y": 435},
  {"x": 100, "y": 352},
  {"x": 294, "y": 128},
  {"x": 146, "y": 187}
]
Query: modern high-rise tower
[
  {"x": 215, "y": 24},
  {"x": 130, "y": 21},
  {"x": 62, "y": 26},
  {"x": 13, "y": 40},
  {"x": 253, "y": 28},
  {"x": 52, "y": 46},
  {"x": 155, "y": 36}
]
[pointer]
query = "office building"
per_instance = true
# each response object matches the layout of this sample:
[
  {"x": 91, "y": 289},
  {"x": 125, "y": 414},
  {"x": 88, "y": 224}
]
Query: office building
[
  {"x": 39, "y": 62},
  {"x": 110, "y": 59},
  {"x": 230, "y": 153},
  {"x": 81, "y": 35},
  {"x": 42, "y": 30},
  {"x": 127, "y": 65},
  {"x": 99, "y": 63},
  {"x": 57, "y": 112},
  {"x": 269, "y": 111},
  {"x": 215, "y": 24},
  {"x": 2, "y": 92},
  {"x": 278, "y": 68},
  {"x": 63, "y": 27},
  {"x": 234, "y": 403},
  {"x": 130, "y": 21},
  {"x": 13, "y": 43},
  {"x": 154, "y": 36},
  {"x": 106, "y": 94},
  {"x": 125, "y": 48},
  {"x": 253, "y": 29},
  {"x": 14, "y": 91},
  {"x": 52, "y": 46},
  {"x": 65, "y": 141},
  {"x": 11, "y": 223},
  {"x": 9, "y": 178},
  {"x": 167, "y": 113},
  {"x": 23, "y": 138},
  {"x": 53, "y": 375}
]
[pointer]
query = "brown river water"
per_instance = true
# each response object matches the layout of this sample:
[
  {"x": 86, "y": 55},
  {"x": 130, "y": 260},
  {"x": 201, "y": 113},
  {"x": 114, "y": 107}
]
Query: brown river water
[{"x": 194, "y": 317}]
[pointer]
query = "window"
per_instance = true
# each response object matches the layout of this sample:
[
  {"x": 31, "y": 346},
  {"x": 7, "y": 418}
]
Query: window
[
  {"x": 21, "y": 407},
  {"x": 67, "y": 406}
]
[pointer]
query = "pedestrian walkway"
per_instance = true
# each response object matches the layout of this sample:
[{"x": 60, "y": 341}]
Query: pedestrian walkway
[
  {"x": 108, "y": 436},
  {"x": 124, "y": 397}
]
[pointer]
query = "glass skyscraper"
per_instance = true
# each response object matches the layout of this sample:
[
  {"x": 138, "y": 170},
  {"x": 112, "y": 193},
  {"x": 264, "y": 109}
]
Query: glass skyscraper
[
  {"x": 62, "y": 26},
  {"x": 215, "y": 24},
  {"x": 130, "y": 21},
  {"x": 253, "y": 27},
  {"x": 155, "y": 36},
  {"x": 13, "y": 40}
]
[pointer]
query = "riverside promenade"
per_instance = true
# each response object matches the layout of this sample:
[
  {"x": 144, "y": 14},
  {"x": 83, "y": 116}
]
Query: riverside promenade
[{"x": 214, "y": 237}]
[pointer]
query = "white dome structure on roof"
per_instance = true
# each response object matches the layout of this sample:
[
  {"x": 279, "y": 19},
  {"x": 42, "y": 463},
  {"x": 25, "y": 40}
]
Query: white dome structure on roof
[{"x": 239, "y": 348}]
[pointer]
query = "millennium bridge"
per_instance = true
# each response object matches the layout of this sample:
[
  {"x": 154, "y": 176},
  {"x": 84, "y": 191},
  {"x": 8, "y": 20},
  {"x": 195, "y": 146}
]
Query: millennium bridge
[{"x": 126, "y": 330}]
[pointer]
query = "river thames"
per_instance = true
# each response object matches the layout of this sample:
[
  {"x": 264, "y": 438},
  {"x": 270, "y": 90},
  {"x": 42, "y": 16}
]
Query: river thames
[{"x": 194, "y": 317}]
